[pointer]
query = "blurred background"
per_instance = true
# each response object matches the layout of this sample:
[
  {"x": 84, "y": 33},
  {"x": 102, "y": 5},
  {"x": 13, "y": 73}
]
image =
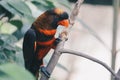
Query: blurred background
[{"x": 95, "y": 33}]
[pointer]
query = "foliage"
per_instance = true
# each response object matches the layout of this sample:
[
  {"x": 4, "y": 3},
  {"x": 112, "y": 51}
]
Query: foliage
[
  {"x": 14, "y": 15},
  {"x": 8, "y": 50},
  {"x": 14, "y": 72},
  {"x": 48, "y": 4}
]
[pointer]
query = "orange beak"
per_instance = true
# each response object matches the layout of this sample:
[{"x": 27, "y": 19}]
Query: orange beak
[{"x": 64, "y": 23}]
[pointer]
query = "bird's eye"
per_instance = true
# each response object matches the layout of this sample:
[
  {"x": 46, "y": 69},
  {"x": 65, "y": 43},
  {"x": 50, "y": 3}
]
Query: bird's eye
[{"x": 64, "y": 16}]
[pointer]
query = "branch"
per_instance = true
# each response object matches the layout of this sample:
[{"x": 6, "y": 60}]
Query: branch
[
  {"x": 54, "y": 59},
  {"x": 75, "y": 11},
  {"x": 114, "y": 34},
  {"x": 118, "y": 74},
  {"x": 90, "y": 58},
  {"x": 59, "y": 50}
]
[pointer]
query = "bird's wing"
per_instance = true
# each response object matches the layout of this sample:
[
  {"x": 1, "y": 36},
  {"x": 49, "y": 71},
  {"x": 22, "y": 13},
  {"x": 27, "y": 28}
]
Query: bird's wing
[{"x": 28, "y": 47}]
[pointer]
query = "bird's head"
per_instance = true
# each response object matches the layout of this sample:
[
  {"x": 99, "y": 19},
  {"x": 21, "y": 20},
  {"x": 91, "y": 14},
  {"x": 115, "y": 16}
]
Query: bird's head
[
  {"x": 50, "y": 19},
  {"x": 59, "y": 16}
]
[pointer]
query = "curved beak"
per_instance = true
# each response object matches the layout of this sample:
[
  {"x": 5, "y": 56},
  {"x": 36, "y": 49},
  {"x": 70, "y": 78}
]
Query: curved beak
[{"x": 64, "y": 22}]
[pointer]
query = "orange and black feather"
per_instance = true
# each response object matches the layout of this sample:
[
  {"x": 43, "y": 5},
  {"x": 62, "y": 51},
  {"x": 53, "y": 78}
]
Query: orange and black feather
[{"x": 39, "y": 39}]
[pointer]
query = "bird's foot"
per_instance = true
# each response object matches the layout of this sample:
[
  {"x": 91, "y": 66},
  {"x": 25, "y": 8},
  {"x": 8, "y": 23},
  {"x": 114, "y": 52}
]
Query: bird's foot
[{"x": 44, "y": 71}]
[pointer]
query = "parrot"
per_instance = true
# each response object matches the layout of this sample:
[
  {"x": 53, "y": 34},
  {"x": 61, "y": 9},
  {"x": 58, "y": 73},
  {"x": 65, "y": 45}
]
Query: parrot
[{"x": 40, "y": 38}]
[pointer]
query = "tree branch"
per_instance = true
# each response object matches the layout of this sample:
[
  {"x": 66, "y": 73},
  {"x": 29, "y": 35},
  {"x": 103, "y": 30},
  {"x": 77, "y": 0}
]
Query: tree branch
[
  {"x": 114, "y": 36},
  {"x": 74, "y": 13},
  {"x": 90, "y": 58},
  {"x": 54, "y": 59}
]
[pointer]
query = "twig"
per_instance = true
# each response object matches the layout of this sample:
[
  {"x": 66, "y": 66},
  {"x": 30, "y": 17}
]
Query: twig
[
  {"x": 75, "y": 11},
  {"x": 90, "y": 58},
  {"x": 114, "y": 36},
  {"x": 54, "y": 59}
]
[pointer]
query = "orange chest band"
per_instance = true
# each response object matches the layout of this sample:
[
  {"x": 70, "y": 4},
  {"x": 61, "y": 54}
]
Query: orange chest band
[
  {"x": 46, "y": 43},
  {"x": 47, "y": 32}
]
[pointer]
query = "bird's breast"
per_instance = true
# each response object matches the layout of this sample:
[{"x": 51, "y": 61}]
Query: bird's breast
[{"x": 45, "y": 37}]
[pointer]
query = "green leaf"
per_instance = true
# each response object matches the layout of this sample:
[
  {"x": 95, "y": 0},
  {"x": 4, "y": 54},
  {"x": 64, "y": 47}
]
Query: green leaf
[
  {"x": 64, "y": 3},
  {"x": 16, "y": 7},
  {"x": 20, "y": 6},
  {"x": 43, "y": 5},
  {"x": 9, "y": 39},
  {"x": 3, "y": 57},
  {"x": 10, "y": 53},
  {"x": 5, "y": 5},
  {"x": 7, "y": 28},
  {"x": 38, "y": 5},
  {"x": 19, "y": 56},
  {"x": 28, "y": 19},
  {"x": 4, "y": 76},
  {"x": 8, "y": 48},
  {"x": 1, "y": 42},
  {"x": 15, "y": 72},
  {"x": 50, "y": 3},
  {"x": 17, "y": 23},
  {"x": 4, "y": 12}
]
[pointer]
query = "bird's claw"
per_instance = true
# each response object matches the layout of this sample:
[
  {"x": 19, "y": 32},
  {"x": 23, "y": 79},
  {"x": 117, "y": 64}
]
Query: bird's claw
[
  {"x": 63, "y": 35},
  {"x": 44, "y": 71}
]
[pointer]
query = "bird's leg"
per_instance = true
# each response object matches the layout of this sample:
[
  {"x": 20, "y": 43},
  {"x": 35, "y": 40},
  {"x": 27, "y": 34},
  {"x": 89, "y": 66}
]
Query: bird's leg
[{"x": 44, "y": 71}]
